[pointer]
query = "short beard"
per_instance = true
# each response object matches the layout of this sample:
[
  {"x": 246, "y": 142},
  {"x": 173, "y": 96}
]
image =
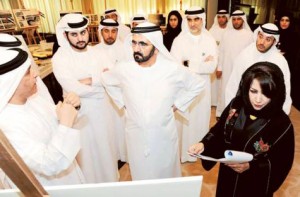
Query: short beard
[
  {"x": 139, "y": 58},
  {"x": 110, "y": 43},
  {"x": 77, "y": 47}
]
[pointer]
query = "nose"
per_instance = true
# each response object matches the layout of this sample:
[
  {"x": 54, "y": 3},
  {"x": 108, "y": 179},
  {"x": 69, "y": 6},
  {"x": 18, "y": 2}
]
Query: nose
[
  {"x": 80, "y": 37},
  {"x": 261, "y": 41},
  {"x": 136, "y": 47},
  {"x": 258, "y": 98}
]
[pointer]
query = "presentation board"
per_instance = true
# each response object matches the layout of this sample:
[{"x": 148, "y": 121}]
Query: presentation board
[
  {"x": 183, "y": 186},
  {"x": 7, "y": 21},
  {"x": 27, "y": 18}
]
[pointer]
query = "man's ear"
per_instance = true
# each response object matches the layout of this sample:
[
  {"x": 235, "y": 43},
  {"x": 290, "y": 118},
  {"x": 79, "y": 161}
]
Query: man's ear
[{"x": 65, "y": 35}]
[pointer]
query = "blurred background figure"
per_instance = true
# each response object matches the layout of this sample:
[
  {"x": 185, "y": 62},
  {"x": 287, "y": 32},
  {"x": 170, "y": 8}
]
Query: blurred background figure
[
  {"x": 173, "y": 28},
  {"x": 288, "y": 46},
  {"x": 137, "y": 19},
  {"x": 217, "y": 30}
]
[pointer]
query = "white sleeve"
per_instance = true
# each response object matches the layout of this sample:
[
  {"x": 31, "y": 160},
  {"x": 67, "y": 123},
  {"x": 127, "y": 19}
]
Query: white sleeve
[
  {"x": 111, "y": 81},
  {"x": 233, "y": 83},
  {"x": 192, "y": 85},
  {"x": 200, "y": 66},
  {"x": 70, "y": 84},
  {"x": 48, "y": 158},
  {"x": 288, "y": 100},
  {"x": 176, "y": 50}
]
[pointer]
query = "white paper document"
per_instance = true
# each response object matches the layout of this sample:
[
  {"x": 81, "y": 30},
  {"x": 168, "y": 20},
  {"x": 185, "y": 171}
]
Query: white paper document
[{"x": 231, "y": 156}]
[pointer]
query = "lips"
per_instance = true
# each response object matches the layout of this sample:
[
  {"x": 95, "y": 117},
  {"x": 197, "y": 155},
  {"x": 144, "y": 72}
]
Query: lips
[{"x": 258, "y": 106}]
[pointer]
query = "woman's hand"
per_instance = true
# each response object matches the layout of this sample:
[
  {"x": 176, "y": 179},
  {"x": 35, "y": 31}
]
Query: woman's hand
[
  {"x": 196, "y": 148},
  {"x": 239, "y": 167}
]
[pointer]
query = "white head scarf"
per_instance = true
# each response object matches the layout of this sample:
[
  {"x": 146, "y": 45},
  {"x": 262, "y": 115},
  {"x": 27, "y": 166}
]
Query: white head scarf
[
  {"x": 8, "y": 41},
  {"x": 13, "y": 65},
  {"x": 153, "y": 33},
  {"x": 70, "y": 23},
  {"x": 114, "y": 11},
  {"x": 194, "y": 11},
  {"x": 239, "y": 13},
  {"x": 268, "y": 29},
  {"x": 220, "y": 13},
  {"x": 108, "y": 23},
  {"x": 138, "y": 18}
]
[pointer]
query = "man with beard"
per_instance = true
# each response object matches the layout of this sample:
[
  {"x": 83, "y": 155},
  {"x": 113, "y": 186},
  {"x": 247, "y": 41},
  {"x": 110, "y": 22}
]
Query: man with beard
[
  {"x": 237, "y": 37},
  {"x": 150, "y": 88},
  {"x": 195, "y": 46},
  {"x": 110, "y": 42},
  {"x": 77, "y": 68},
  {"x": 112, "y": 45},
  {"x": 263, "y": 49}
]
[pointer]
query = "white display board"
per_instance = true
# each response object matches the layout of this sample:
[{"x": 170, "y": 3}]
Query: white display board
[{"x": 184, "y": 186}]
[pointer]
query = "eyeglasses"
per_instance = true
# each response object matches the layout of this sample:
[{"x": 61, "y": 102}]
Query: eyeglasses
[{"x": 141, "y": 44}]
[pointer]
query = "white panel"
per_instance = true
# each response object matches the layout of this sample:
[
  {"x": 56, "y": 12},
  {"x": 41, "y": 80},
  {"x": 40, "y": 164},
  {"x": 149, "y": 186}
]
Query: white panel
[{"x": 184, "y": 186}]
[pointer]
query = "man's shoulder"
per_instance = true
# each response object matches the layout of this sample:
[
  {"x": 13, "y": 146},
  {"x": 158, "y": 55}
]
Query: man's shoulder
[{"x": 62, "y": 54}]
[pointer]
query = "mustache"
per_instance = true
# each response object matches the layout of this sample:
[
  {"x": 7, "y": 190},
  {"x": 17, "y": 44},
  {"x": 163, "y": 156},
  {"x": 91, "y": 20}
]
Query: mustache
[
  {"x": 81, "y": 42},
  {"x": 137, "y": 54}
]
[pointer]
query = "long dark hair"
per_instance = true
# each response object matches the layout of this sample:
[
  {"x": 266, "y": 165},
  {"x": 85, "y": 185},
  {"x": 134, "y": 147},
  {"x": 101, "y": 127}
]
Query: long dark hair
[{"x": 271, "y": 81}]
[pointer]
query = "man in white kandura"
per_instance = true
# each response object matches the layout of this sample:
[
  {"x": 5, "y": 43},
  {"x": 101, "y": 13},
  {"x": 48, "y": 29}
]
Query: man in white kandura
[
  {"x": 110, "y": 40},
  {"x": 263, "y": 49},
  {"x": 111, "y": 44},
  {"x": 123, "y": 30},
  {"x": 41, "y": 132},
  {"x": 197, "y": 49},
  {"x": 78, "y": 68},
  {"x": 150, "y": 88},
  {"x": 237, "y": 37},
  {"x": 217, "y": 30}
]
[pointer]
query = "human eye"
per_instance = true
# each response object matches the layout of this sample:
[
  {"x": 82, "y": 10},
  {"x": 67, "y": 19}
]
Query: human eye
[
  {"x": 133, "y": 43},
  {"x": 73, "y": 34},
  {"x": 253, "y": 91},
  {"x": 143, "y": 44}
]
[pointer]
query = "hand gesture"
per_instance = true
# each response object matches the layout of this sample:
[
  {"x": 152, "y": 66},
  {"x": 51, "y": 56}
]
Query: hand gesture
[
  {"x": 66, "y": 114},
  {"x": 239, "y": 167},
  {"x": 196, "y": 148},
  {"x": 73, "y": 99}
]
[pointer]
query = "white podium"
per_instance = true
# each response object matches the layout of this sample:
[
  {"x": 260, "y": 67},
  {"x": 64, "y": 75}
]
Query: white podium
[{"x": 184, "y": 186}]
